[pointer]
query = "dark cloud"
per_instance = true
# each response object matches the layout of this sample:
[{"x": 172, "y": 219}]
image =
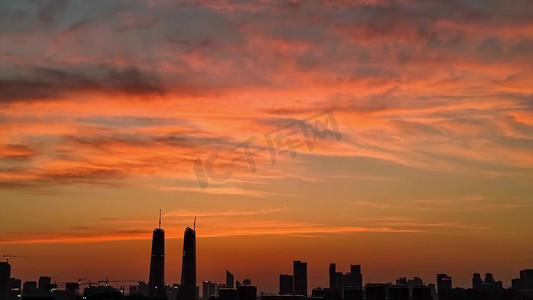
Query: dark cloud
[{"x": 51, "y": 83}]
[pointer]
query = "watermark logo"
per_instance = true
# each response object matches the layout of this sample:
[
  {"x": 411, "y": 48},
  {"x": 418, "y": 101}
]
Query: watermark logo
[{"x": 285, "y": 139}]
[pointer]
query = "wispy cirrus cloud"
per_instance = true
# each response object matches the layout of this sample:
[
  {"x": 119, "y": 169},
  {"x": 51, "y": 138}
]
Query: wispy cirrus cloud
[{"x": 228, "y": 213}]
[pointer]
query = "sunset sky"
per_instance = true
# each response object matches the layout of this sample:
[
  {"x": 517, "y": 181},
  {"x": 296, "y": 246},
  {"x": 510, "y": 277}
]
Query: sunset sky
[{"x": 104, "y": 107}]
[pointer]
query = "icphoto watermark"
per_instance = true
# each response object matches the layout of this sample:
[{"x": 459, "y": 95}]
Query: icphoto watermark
[{"x": 285, "y": 139}]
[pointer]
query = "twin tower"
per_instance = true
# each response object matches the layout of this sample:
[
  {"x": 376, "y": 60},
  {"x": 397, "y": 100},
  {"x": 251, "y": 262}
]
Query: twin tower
[{"x": 156, "y": 283}]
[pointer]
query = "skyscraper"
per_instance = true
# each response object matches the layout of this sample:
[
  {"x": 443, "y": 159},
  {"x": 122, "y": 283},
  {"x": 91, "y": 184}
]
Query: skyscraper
[
  {"x": 444, "y": 283},
  {"x": 230, "y": 279},
  {"x": 332, "y": 270},
  {"x": 300, "y": 278},
  {"x": 156, "y": 281},
  {"x": 209, "y": 289},
  {"x": 285, "y": 284},
  {"x": 476, "y": 281},
  {"x": 187, "y": 290},
  {"x": 44, "y": 285},
  {"x": 356, "y": 277},
  {"x": 526, "y": 278},
  {"x": 5, "y": 273}
]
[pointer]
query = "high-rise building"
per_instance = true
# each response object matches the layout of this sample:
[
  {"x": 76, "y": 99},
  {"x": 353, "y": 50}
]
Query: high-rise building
[
  {"x": 444, "y": 282},
  {"x": 476, "y": 281},
  {"x": 356, "y": 276},
  {"x": 526, "y": 279},
  {"x": 156, "y": 282},
  {"x": 5, "y": 273},
  {"x": 332, "y": 270},
  {"x": 516, "y": 284},
  {"x": 14, "y": 288},
  {"x": 187, "y": 290},
  {"x": 209, "y": 289},
  {"x": 230, "y": 279},
  {"x": 44, "y": 284},
  {"x": 286, "y": 284},
  {"x": 300, "y": 278}
]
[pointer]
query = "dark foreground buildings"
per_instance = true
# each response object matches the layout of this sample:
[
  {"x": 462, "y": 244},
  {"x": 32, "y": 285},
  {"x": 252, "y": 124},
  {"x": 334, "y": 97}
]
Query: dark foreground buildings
[
  {"x": 348, "y": 286},
  {"x": 5, "y": 273}
]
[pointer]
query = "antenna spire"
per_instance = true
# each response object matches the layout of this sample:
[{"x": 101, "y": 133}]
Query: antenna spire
[
  {"x": 160, "y": 218},
  {"x": 194, "y": 224}
]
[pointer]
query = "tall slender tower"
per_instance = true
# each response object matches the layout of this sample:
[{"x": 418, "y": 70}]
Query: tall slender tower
[
  {"x": 332, "y": 271},
  {"x": 156, "y": 283},
  {"x": 187, "y": 290}
]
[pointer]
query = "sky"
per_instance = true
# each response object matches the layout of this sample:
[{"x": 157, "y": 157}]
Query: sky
[{"x": 417, "y": 160}]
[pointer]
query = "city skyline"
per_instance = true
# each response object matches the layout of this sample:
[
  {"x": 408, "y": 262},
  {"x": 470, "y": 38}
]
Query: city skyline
[{"x": 299, "y": 267}]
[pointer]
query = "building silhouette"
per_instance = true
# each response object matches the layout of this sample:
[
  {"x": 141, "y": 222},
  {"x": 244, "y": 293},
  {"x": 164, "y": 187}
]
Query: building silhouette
[
  {"x": 332, "y": 273},
  {"x": 230, "y": 280},
  {"x": 326, "y": 294},
  {"x": 356, "y": 278},
  {"x": 29, "y": 288},
  {"x": 187, "y": 290},
  {"x": 45, "y": 285},
  {"x": 352, "y": 281},
  {"x": 209, "y": 289},
  {"x": 421, "y": 292},
  {"x": 476, "y": 281},
  {"x": 300, "y": 278},
  {"x": 246, "y": 292},
  {"x": 444, "y": 283},
  {"x": 398, "y": 292},
  {"x": 156, "y": 282},
  {"x": 227, "y": 294},
  {"x": 376, "y": 291},
  {"x": 526, "y": 279},
  {"x": 286, "y": 284},
  {"x": 14, "y": 288},
  {"x": 5, "y": 273}
]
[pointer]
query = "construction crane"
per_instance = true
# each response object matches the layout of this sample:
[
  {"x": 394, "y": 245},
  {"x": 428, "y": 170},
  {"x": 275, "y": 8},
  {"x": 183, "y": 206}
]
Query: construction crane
[
  {"x": 8, "y": 256},
  {"x": 90, "y": 283},
  {"x": 107, "y": 281}
]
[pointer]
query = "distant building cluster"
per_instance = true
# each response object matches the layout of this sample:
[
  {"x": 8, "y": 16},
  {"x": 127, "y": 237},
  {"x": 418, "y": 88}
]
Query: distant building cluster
[{"x": 342, "y": 286}]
